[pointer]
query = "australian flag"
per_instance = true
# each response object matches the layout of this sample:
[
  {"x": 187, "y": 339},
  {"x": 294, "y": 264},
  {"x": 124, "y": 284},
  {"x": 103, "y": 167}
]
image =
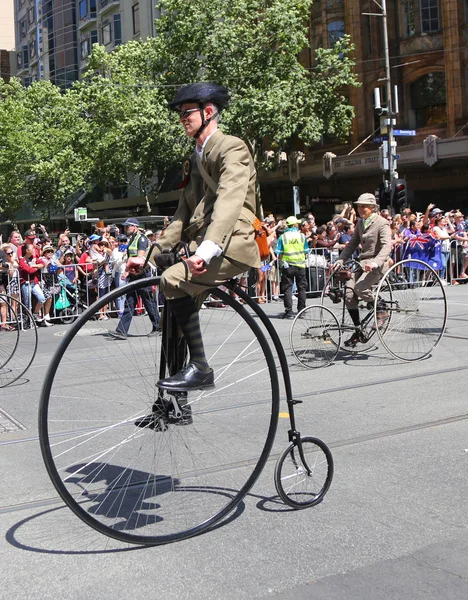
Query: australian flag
[{"x": 426, "y": 248}]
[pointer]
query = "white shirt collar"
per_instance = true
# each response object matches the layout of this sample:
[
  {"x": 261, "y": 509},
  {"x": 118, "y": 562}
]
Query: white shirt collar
[{"x": 199, "y": 150}]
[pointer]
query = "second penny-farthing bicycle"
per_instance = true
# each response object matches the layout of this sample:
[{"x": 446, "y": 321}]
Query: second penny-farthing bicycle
[
  {"x": 200, "y": 453},
  {"x": 408, "y": 316}
]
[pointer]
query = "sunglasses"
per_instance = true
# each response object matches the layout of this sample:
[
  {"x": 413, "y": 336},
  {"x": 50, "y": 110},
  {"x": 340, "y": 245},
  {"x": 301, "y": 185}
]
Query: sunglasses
[
  {"x": 9, "y": 253},
  {"x": 186, "y": 113}
]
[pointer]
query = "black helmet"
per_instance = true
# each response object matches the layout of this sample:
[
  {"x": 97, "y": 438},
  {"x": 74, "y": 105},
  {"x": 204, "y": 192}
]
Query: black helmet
[{"x": 201, "y": 92}]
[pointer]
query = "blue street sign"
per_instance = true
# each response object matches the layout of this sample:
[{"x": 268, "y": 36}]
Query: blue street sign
[
  {"x": 379, "y": 139},
  {"x": 397, "y": 156},
  {"x": 409, "y": 132}
]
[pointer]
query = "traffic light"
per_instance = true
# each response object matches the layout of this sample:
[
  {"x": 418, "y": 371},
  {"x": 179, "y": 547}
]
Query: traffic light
[
  {"x": 382, "y": 196},
  {"x": 399, "y": 195}
]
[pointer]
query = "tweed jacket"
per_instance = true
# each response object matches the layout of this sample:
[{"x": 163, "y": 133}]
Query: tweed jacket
[
  {"x": 375, "y": 241},
  {"x": 203, "y": 214}
]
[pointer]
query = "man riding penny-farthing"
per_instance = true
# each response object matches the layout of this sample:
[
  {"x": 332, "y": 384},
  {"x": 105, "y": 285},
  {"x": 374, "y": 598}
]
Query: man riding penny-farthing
[{"x": 372, "y": 235}]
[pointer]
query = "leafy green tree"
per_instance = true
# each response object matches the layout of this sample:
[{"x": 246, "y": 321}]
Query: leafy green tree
[
  {"x": 252, "y": 47},
  {"x": 129, "y": 128},
  {"x": 40, "y": 162}
]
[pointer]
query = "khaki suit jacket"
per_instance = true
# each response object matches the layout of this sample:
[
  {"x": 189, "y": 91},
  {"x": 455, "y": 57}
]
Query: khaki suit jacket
[
  {"x": 206, "y": 215},
  {"x": 376, "y": 242}
]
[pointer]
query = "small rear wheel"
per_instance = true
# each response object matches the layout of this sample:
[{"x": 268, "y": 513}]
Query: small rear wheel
[
  {"x": 315, "y": 337},
  {"x": 303, "y": 482}
]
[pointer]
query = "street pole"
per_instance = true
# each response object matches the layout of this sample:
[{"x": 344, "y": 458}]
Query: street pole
[
  {"x": 388, "y": 89},
  {"x": 387, "y": 114}
]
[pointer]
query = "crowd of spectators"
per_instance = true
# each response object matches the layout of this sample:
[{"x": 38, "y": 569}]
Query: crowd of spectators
[{"x": 37, "y": 266}]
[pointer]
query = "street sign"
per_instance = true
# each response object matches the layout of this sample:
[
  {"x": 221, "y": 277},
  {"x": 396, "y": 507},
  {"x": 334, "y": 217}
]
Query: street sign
[
  {"x": 407, "y": 132},
  {"x": 396, "y": 157},
  {"x": 379, "y": 139},
  {"x": 81, "y": 214}
]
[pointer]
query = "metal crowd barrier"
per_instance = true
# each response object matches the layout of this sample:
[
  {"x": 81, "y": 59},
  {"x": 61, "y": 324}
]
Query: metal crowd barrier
[
  {"x": 70, "y": 296},
  {"x": 68, "y": 300}
]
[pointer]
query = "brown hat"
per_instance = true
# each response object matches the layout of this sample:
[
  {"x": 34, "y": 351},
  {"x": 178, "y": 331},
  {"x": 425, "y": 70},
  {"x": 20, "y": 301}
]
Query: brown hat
[
  {"x": 458, "y": 214},
  {"x": 367, "y": 199},
  {"x": 47, "y": 249}
]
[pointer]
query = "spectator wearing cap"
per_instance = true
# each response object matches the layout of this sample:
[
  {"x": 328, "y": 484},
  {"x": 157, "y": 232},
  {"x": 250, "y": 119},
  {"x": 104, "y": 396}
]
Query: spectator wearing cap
[
  {"x": 372, "y": 233},
  {"x": 429, "y": 216},
  {"x": 292, "y": 249},
  {"x": 150, "y": 235},
  {"x": 138, "y": 245},
  {"x": 69, "y": 266},
  {"x": 29, "y": 238}
]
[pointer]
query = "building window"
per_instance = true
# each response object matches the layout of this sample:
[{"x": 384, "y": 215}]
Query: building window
[
  {"x": 136, "y": 18},
  {"x": 32, "y": 49},
  {"x": 31, "y": 18},
  {"x": 117, "y": 30},
  {"x": 94, "y": 37},
  {"x": 428, "y": 100},
  {"x": 429, "y": 16},
  {"x": 106, "y": 34},
  {"x": 19, "y": 60},
  {"x": 25, "y": 56},
  {"x": 335, "y": 32},
  {"x": 23, "y": 27},
  {"x": 84, "y": 49},
  {"x": 92, "y": 8},
  {"x": 408, "y": 18},
  {"x": 83, "y": 8}
]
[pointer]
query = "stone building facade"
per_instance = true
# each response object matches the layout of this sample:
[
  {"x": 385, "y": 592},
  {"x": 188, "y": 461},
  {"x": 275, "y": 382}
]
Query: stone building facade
[{"x": 428, "y": 48}]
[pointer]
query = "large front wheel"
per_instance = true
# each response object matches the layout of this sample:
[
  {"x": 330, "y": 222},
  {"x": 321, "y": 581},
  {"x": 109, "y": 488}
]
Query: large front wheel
[
  {"x": 412, "y": 311},
  {"x": 172, "y": 478}
]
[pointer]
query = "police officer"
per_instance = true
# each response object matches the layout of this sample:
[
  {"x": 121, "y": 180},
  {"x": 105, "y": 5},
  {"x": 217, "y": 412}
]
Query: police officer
[
  {"x": 137, "y": 247},
  {"x": 292, "y": 249}
]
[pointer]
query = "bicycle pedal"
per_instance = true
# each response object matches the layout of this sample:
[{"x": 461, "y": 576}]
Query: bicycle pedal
[{"x": 153, "y": 422}]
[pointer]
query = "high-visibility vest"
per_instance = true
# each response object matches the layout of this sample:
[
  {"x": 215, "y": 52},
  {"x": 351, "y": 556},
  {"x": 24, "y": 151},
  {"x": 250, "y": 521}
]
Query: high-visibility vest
[
  {"x": 293, "y": 249},
  {"x": 132, "y": 249}
]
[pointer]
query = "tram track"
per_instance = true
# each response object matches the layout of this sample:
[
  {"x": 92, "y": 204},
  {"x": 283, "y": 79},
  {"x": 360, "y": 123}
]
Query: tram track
[{"x": 56, "y": 501}]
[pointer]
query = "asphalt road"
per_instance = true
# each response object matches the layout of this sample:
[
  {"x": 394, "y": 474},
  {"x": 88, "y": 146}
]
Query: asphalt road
[{"x": 392, "y": 526}]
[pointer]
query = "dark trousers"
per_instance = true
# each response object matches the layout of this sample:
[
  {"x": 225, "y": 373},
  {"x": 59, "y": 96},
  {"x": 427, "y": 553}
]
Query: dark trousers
[
  {"x": 131, "y": 300},
  {"x": 287, "y": 279}
]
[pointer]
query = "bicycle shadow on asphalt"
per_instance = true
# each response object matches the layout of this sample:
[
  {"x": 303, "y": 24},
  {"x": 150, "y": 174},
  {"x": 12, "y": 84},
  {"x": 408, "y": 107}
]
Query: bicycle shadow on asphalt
[
  {"x": 17, "y": 383},
  {"x": 79, "y": 538},
  {"x": 373, "y": 358}
]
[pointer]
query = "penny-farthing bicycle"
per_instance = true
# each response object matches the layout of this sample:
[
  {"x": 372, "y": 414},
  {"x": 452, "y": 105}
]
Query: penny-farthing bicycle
[
  {"x": 408, "y": 317},
  {"x": 181, "y": 471}
]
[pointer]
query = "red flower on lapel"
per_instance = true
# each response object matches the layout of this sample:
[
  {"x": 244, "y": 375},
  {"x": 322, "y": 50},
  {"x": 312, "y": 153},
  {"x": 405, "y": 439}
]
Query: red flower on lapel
[{"x": 186, "y": 173}]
